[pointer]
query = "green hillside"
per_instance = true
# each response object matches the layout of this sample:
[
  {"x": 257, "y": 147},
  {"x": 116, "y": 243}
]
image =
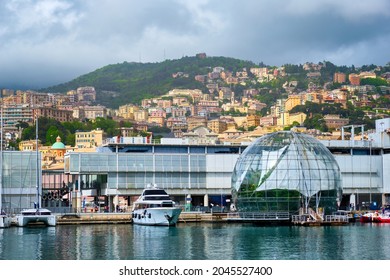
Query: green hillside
[{"x": 130, "y": 82}]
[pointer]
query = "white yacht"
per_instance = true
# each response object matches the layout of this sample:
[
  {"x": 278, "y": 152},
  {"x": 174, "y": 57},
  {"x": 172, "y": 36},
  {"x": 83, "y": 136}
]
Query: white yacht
[
  {"x": 155, "y": 207},
  {"x": 36, "y": 216}
]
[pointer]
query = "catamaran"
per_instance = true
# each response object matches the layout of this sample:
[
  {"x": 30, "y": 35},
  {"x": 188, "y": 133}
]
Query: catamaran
[{"x": 36, "y": 215}]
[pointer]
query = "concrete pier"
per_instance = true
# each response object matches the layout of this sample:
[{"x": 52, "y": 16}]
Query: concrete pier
[
  {"x": 186, "y": 217},
  {"x": 93, "y": 218},
  {"x": 125, "y": 218}
]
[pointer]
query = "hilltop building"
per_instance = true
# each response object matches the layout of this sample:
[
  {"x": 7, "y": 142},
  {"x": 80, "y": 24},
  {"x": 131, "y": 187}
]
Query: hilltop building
[
  {"x": 91, "y": 139},
  {"x": 339, "y": 78}
]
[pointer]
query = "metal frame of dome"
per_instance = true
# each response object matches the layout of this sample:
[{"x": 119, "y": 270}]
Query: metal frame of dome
[{"x": 286, "y": 171}]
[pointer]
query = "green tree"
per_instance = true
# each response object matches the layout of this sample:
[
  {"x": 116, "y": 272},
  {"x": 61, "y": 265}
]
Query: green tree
[
  {"x": 108, "y": 125},
  {"x": 374, "y": 82},
  {"x": 22, "y": 125},
  {"x": 71, "y": 139},
  {"x": 28, "y": 133},
  {"x": 316, "y": 122},
  {"x": 51, "y": 135}
]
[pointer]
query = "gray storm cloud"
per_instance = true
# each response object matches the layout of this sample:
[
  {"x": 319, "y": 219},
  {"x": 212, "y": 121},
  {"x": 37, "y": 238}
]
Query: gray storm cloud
[{"x": 47, "y": 42}]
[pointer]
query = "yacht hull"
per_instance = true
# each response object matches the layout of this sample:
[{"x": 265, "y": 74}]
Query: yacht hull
[
  {"x": 25, "y": 220},
  {"x": 161, "y": 216},
  {"x": 36, "y": 217},
  {"x": 5, "y": 221}
]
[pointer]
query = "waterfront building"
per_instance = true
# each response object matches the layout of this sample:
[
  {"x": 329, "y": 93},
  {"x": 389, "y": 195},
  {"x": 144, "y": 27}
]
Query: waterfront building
[
  {"x": 123, "y": 169},
  {"x": 19, "y": 180},
  {"x": 201, "y": 172}
]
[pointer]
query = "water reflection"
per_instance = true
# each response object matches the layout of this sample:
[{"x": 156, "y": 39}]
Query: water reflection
[{"x": 195, "y": 242}]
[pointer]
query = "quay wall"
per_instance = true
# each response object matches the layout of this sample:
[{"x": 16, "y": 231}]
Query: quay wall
[{"x": 125, "y": 218}]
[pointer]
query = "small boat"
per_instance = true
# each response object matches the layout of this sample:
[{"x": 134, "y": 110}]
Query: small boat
[
  {"x": 155, "y": 207},
  {"x": 36, "y": 216},
  {"x": 375, "y": 217},
  {"x": 366, "y": 218},
  {"x": 346, "y": 215}
]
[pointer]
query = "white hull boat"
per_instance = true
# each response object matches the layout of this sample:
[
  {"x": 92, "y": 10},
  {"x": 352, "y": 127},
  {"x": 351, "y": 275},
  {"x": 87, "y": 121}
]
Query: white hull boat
[
  {"x": 37, "y": 215},
  {"x": 5, "y": 221},
  {"x": 34, "y": 216},
  {"x": 156, "y": 216},
  {"x": 155, "y": 208}
]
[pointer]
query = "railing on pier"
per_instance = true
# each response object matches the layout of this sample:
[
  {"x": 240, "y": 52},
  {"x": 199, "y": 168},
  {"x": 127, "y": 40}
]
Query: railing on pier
[
  {"x": 336, "y": 218},
  {"x": 259, "y": 216},
  {"x": 300, "y": 218},
  {"x": 304, "y": 218}
]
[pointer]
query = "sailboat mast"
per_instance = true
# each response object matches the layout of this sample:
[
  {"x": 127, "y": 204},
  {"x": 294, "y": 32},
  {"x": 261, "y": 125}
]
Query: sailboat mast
[
  {"x": 1, "y": 159},
  {"x": 36, "y": 138}
]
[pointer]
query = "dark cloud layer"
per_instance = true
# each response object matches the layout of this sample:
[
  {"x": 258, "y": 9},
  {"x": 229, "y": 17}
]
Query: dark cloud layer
[{"x": 47, "y": 42}]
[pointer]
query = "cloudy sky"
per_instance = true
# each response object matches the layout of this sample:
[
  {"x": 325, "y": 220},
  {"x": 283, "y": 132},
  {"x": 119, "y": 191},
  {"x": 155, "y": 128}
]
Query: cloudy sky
[{"x": 47, "y": 42}]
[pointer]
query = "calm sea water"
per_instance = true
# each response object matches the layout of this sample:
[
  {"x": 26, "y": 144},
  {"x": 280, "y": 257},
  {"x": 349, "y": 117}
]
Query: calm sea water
[{"x": 200, "y": 241}]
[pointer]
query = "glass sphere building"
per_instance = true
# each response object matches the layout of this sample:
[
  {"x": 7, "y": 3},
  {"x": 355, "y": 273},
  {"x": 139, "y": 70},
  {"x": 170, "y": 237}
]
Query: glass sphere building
[{"x": 286, "y": 172}]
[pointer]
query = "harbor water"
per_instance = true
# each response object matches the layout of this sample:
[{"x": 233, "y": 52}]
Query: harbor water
[{"x": 196, "y": 241}]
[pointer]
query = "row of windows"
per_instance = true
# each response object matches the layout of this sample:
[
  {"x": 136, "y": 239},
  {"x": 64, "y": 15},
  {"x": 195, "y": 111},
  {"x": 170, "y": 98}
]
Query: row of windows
[
  {"x": 178, "y": 149},
  {"x": 125, "y": 163},
  {"x": 163, "y": 180},
  {"x": 84, "y": 135}
]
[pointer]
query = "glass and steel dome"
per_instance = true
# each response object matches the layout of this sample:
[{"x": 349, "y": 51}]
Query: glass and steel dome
[{"x": 286, "y": 171}]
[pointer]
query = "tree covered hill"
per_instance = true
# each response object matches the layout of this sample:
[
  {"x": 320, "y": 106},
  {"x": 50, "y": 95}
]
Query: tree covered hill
[{"x": 130, "y": 82}]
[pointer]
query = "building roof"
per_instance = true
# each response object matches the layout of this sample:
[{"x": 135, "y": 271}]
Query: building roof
[{"x": 58, "y": 145}]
